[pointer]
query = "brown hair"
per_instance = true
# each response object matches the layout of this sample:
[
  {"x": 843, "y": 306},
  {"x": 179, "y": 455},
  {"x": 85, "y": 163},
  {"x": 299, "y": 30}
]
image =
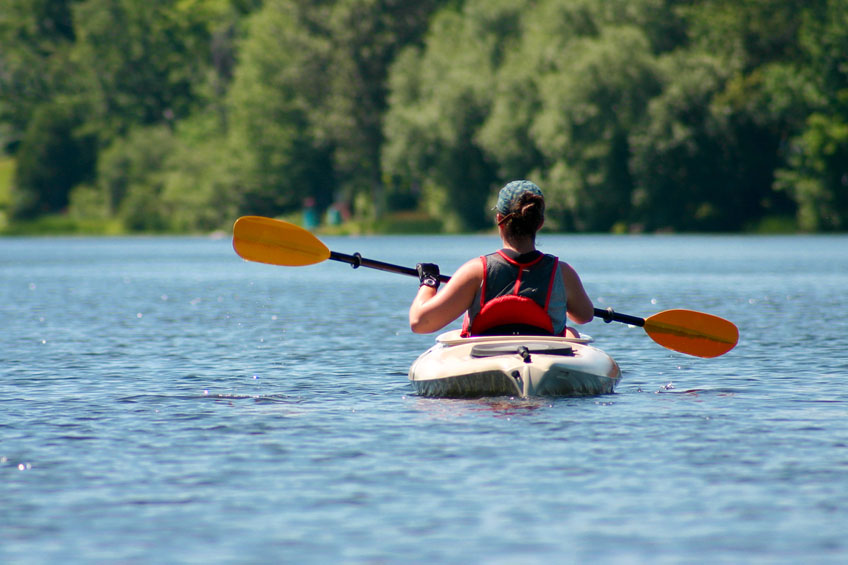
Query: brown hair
[{"x": 525, "y": 218}]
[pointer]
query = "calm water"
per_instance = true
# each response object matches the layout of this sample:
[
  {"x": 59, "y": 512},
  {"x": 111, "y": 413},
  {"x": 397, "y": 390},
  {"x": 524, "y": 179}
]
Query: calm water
[{"x": 163, "y": 401}]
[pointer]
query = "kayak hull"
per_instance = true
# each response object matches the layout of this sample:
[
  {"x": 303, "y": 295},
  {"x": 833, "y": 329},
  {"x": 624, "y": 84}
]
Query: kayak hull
[{"x": 520, "y": 366}]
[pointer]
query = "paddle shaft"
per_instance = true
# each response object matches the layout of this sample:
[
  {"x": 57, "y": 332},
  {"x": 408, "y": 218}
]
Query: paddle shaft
[
  {"x": 610, "y": 315},
  {"x": 356, "y": 260}
]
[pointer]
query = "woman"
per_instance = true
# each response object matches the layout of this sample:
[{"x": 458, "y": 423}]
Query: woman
[{"x": 517, "y": 290}]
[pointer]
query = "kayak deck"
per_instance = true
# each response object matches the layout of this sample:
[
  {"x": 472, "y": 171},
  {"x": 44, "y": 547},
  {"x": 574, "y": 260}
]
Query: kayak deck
[{"x": 523, "y": 366}]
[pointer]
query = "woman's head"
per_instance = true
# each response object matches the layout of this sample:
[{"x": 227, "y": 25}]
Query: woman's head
[{"x": 521, "y": 207}]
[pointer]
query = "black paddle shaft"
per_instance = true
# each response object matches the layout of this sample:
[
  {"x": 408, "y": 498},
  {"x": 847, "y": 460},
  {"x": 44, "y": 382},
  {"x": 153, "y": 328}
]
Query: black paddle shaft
[
  {"x": 356, "y": 260},
  {"x": 610, "y": 315}
]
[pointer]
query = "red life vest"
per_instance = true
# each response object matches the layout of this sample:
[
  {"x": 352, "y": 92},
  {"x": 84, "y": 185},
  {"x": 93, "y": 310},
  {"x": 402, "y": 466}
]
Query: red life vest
[{"x": 514, "y": 296}]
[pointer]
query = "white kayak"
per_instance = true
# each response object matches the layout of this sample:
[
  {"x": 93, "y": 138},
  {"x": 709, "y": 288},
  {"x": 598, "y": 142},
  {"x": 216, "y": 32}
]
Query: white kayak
[{"x": 522, "y": 366}]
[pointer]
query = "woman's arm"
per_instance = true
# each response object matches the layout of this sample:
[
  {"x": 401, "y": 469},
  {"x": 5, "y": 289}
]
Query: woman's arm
[
  {"x": 431, "y": 311},
  {"x": 579, "y": 305}
]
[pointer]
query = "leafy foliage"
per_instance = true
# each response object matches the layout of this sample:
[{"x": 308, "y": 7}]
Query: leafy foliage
[
  {"x": 633, "y": 115},
  {"x": 54, "y": 157}
]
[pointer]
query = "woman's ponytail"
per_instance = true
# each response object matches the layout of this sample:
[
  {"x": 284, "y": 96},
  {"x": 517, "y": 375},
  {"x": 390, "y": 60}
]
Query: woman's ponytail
[{"x": 526, "y": 217}]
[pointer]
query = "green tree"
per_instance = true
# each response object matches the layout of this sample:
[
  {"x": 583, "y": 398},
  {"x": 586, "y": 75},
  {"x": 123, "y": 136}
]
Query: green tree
[
  {"x": 676, "y": 151},
  {"x": 37, "y": 123},
  {"x": 731, "y": 97},
  {"x": 130, "y": 175},
  {"x": 652, "y": 114},
  {"x": 35, "y": 36},
  {"x": 101, "y": 68},
  {"x": 159, "y": 179},
  {"x": 281, "y": 77},
  {"x": 440, "y": 98},
  {"x": 749, "y": 33},
  {"x": 816, "y": 172},
  {"x": 200, "y": 183},
  {"x": 817, "y": 175},
  {"x": 54, "y": 156},
  {"x": 309, "y": 98},
  {"x": 547, "y": 90},
  {"x": 588, "y": 107},
  {"x": 365, "y": 36},
  {"x": 143, "y": 60}
]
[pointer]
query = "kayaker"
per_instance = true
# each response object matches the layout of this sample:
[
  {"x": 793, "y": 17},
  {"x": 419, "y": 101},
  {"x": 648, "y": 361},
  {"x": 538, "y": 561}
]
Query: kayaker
[{"x": 516, "y": 290}]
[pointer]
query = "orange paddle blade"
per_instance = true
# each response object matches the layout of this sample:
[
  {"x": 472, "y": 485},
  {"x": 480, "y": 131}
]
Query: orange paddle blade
[
  {"x": 276, "y": 242},
  {"x": 694, "y": 333}
]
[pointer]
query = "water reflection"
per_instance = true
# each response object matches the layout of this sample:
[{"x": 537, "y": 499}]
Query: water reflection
[{"x": 500, "y": 407}]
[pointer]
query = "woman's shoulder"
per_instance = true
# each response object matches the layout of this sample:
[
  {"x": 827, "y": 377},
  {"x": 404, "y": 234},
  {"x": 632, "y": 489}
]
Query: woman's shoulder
[
  {"x": 569, "y": 274},
  {"x": 473, "y": 265},
  {"x": 470, "y": 272}
]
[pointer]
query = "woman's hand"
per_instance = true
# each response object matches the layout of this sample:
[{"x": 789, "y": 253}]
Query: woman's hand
[{"x": 431, "y": 311}]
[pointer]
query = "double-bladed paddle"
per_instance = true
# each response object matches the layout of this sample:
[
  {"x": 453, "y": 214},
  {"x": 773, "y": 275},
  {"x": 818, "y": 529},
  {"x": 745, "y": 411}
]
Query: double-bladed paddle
[{"x": 276, "y": 242}]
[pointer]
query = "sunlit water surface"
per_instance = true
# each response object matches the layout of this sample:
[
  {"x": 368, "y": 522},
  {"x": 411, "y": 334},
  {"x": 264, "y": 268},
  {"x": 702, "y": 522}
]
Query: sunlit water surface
[{"x": 163, "y": 401}]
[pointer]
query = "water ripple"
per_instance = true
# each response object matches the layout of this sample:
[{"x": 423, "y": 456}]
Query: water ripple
[{"x": 160, "y": 397}]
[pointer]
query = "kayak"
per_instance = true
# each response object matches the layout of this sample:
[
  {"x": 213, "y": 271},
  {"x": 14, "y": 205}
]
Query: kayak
[{"x": 513, "y": 365}]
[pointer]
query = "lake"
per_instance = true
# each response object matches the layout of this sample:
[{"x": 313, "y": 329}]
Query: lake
[{"x": 162, "y": 400}]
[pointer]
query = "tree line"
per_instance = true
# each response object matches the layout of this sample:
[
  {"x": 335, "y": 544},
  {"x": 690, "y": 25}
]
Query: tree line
[{"x": 632, "y": 115}]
